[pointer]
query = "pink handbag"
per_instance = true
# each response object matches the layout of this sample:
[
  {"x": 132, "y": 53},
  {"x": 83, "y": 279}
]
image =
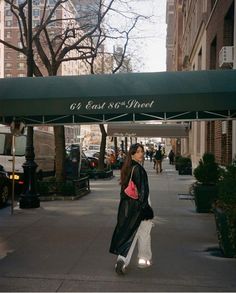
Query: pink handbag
[{"x": 131, "y": 189}]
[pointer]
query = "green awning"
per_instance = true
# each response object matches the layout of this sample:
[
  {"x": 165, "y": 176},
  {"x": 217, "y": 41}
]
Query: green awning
[{"x": 120, "y": 97}]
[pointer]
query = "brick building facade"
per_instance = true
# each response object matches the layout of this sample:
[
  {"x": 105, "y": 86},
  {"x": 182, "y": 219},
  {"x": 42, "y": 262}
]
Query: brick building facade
[
  {"x": 207, "y": 27},
  {"x": 220, "y": 33}
]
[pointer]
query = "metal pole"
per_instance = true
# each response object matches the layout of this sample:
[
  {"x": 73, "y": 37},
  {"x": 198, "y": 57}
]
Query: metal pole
[
  {"x": 29, "y": 198},
  {"x": 13, "y": 172}
]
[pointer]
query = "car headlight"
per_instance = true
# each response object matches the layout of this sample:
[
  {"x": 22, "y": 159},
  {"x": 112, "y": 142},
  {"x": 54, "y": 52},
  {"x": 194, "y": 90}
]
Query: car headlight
[{"x": 16, "y": 177}]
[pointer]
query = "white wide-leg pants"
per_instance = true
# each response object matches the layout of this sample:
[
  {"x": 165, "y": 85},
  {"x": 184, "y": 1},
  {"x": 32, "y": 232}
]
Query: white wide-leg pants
[{"x": 143, "y": 238}]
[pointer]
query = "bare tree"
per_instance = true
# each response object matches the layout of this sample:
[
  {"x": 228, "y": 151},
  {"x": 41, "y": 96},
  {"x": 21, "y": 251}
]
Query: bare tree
[
  {"x": 65, "y": 33},
  {"x": 121, "y": 62}
]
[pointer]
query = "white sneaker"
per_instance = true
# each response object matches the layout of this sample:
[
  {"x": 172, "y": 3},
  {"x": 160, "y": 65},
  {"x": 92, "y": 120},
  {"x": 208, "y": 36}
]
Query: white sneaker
[{"x": 142, "y": 263}]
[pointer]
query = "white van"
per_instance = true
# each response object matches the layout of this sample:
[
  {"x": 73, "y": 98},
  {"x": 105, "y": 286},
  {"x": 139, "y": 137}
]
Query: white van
[{"x": 44, "y": 148}]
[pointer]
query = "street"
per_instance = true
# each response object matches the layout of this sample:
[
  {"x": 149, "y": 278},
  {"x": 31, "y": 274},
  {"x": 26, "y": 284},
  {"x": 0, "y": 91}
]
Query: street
[{"x": 64, "y": 245}]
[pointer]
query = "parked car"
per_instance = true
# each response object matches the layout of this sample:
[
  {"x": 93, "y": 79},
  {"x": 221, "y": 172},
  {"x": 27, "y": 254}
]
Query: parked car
[
  {"x": 4, "y": 187},
  {"x": 93, "y": 162}
]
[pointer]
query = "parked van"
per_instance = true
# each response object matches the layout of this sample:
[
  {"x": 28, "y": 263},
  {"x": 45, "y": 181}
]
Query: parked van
[{"x": 44, "y": 148}]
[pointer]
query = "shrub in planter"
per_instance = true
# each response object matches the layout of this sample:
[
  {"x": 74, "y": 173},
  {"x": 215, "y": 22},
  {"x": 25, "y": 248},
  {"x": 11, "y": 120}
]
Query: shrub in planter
[
  {"x": 207, "y": 174},
  {"x": 177, "y": 162},
  {"x": 225, "y": 211},
  {"x": 184, "y": 166}
]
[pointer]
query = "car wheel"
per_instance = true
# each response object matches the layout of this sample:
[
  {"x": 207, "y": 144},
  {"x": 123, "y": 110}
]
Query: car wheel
[{"x": 4, "y": 195}]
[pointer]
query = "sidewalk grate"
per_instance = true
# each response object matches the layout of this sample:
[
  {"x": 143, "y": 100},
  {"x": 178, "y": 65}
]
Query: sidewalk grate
[{"x": 185, "y": 196}]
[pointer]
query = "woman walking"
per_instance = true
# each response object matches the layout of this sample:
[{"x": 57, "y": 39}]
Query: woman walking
[{"x": 134, "y": 214}]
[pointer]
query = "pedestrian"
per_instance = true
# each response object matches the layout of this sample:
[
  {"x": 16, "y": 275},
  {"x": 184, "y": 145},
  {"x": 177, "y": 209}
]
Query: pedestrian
[
  {"x": 158, "y": 157},
  {"x": 151, "y": 154},
  {"x": 134, "y": 219},
  {"x": 121, "y": 158},
  {"x": 171, "y": 157}
]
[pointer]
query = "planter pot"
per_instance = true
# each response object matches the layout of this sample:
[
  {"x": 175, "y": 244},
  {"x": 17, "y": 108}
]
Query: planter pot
[
  {"x": 204, "y": 197},
  {"x": 226, "y": 231},
  {"x": 95, "y": 174},
  {"x": 185, "y": 170}
]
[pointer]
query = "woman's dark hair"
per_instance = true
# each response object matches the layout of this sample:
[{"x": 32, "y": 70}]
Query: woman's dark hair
[{"x": 126, "y": 168}]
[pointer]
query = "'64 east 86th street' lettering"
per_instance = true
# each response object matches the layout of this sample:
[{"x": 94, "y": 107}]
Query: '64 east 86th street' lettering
[{"x": 130, "y": 104}]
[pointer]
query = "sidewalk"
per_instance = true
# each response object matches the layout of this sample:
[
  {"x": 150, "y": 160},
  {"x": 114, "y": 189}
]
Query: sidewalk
[{"x": 63, "y": 245}]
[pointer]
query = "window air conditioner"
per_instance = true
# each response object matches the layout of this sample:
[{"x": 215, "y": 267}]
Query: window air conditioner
[{"x": 226, "y": 56}]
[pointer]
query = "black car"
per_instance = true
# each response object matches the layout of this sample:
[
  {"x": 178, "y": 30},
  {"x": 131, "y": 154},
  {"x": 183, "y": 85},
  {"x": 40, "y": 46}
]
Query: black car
[{"x": 4, "y": 187}]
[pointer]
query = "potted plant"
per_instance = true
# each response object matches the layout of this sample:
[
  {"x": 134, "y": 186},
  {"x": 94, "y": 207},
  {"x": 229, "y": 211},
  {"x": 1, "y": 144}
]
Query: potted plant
[
  {"x": 225, "y": 211},
  {"x": 177, "y": 162},
  {"x": 185, "y": 166},
  {"x": 204, "y": 190}
]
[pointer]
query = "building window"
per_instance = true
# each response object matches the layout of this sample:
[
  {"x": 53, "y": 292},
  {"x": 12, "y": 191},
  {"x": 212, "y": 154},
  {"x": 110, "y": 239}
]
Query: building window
[
  {"x": 21, "y": 65},
  {"x": 200, "y": 60},
  {"x": 20, "y": 45},
  {"x": 8, "y": 65},
  {"x": 36, "y": 12},
  {"x": 8, "y": 55},
  {"x": 35, "y": 23},
  {"x": 8, "y": 75},
  {"x": 52, "y": 2},
  {"x": 8, "y": 23},
  {"x": 8, "y": 12},
  {"x": 229, "y": 27},
  {"x": 21, "y": 75},
  {"x": 20, "y": 55},
  {"x": 8, "y": 34},
  {"x": 21, "y": 2},
  {"x": 213, "y": 54},
  {"x": 36, "y": 2},
  {"x": 204, "y": 6}
]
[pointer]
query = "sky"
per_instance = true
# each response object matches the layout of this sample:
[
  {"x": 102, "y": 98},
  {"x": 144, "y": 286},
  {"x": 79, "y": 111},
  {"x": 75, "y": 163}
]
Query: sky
[
  {"x": 151, "y": 41},
  {"x": 147, "y": 43}
]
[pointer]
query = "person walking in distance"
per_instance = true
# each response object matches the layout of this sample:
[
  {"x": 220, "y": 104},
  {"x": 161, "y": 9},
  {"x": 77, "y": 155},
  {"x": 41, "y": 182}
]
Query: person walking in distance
[
  {"x": 134, "y": 219},
  {"x": 171, "y": 157},
  {"x": 158, "y": 157}
]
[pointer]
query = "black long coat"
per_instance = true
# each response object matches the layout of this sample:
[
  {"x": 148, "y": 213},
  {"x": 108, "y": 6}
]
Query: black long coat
[{"x": 130, "y": 212}]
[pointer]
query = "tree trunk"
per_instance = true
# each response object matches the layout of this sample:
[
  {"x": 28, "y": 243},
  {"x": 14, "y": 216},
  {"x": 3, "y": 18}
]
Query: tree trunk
[
  {"x": 115, "y": 146},
  {"x": 102, "y": 147},
  {"x": 60, "y": 152}
]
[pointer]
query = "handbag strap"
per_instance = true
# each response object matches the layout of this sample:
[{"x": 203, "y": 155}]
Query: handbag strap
[{"x": 131, "y": 174}]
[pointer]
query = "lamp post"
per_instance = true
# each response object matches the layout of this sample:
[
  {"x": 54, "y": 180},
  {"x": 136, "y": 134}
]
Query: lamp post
[{"x": 29, "y": 198}]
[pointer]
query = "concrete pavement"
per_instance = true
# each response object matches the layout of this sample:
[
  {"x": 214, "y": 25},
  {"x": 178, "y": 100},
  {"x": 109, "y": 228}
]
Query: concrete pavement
[{"x": 63, "y": 245}]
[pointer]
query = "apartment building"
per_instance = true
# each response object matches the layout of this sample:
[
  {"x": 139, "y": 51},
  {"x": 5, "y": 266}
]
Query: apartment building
[
  {"x": 170, "y": 18},
  {"x": 15, "y": 62},
  {"x": 220, "y": 33},
  {"x": 200, "y": 29}
]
